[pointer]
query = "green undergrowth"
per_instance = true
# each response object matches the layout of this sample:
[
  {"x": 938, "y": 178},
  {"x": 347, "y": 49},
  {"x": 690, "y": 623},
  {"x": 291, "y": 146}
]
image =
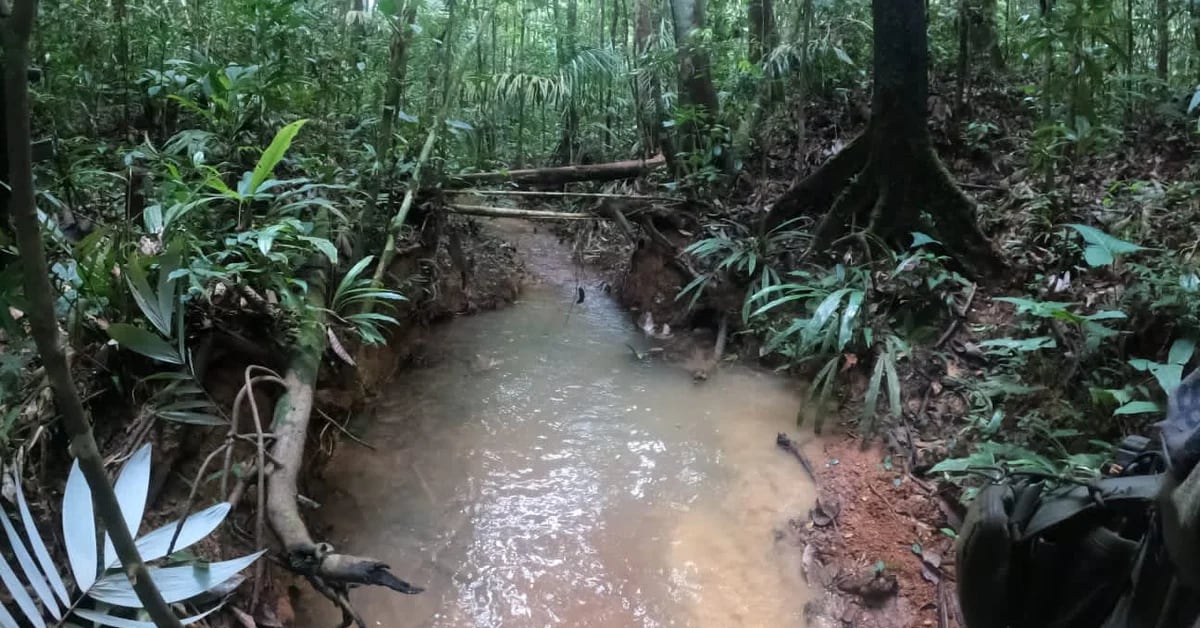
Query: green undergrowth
[{"x": 1042, "y": 378}]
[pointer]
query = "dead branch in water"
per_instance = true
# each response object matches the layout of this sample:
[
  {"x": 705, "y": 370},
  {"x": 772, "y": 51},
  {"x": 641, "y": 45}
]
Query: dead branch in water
[{"x": 788, "y": 445}]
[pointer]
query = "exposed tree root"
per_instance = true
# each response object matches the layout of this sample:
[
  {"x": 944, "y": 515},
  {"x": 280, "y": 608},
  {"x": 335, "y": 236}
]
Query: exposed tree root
[{"x": 886, "y": 190}]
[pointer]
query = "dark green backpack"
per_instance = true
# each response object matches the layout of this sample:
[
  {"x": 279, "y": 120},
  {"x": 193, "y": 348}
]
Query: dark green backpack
[{"x": 1118, "y": 552}]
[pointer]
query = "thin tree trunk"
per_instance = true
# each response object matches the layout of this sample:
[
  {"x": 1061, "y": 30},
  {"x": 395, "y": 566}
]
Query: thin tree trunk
[
  {"x": 696, "y": 74},
  {"x": 964, "y": 39},
  {"x": 44, "y": 323},
  {"x": 393, "y": 93},
  {"x": 1162, "y": 24}
]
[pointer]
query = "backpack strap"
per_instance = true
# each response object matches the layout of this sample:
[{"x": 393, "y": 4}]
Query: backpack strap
[
  {"x": 1061, "y": 506},
  {"x": 984, "y": 558}
]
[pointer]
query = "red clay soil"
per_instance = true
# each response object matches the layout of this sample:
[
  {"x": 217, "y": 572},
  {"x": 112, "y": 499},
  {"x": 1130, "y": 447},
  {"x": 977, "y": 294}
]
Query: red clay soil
[{"x": 872, "y": 514}]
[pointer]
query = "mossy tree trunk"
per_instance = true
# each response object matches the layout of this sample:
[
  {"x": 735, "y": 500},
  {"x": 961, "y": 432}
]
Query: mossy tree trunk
[{"x": 889, "y": 181}]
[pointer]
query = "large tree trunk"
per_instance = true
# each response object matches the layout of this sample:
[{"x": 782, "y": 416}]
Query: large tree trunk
[
  {"x": 889, "y": 179},
  {"x": 980, "y": 21},
  {"x": 762, "y": 41},
  {"x": 695, "y": 72}
]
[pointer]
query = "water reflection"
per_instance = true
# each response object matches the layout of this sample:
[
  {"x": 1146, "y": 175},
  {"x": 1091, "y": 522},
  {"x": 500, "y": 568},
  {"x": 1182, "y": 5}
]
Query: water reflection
[{"x": 536, "y": 475}]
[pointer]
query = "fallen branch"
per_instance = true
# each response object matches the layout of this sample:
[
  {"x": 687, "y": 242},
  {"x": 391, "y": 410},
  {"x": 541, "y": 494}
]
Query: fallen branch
[
  {"x": 625, "y": 197},
  {"x": 959, "y": 317},
  {"x": 786, "y": 444},
  {"x": 510, "y": 212},
  {"x": 562, "y": 174},
  {"x": 313, "y": 560}
]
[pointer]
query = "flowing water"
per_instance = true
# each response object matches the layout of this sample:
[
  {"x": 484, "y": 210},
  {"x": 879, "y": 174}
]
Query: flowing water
[{"x": 538, "y": 475}]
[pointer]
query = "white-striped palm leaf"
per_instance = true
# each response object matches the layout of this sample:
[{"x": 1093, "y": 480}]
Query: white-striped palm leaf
[{"x": 38, "y": 590}]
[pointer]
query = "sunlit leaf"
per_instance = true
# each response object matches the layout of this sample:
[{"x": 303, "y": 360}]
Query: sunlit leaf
[
  {"x": 175, "y": 583},
  {"x": 196, "y": 527},
  {"x": 39, "y": 546},
  {"x": 118, "y": 622},
  {"x": 1138, "y": 407},
  {"x": 132, "y": 487},
  {"x": 274, "y": 154},
  {"x": 33, "y": 575},
  {"x": 79, "y": 528},
  {"x": 1181, "y": 351}
]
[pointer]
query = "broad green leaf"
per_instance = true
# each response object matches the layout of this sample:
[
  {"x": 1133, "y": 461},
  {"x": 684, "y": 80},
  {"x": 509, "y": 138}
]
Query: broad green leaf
[
  {"x": 824, "y": 312},
  {"x": 324, "y": 246},
  {"x": 39, "y": 546},
  {"x": 921, "y": 239},
  {"x": 1138, "y": 407},
  {"x": 196, "y": 527},
  {"x": 893, "y": 383},
  {"x": 132, "y": 487},
  {"x": 33, "y": 575},
  {"x": 175, "y": 583},
  {"x": 167, "y": 265},
  {"x": 274, "y": 154},
  {"x": 266, "y": 239},
  {"x": 152, "y": 218},
  {"x": 853, "y": 304},
  {"x": 871, "y": 401},
  {"x": 1107, "y": 315},
  {"x": 79, "y": 529},
  {"x": 190, "y": 404},
  {"x": 141, "y": 341},
  {"x": 194, "y": 418},
  {"x": 775, "y": 340},
  {"x": 147, "y": 300},
  {"x": 1102, "y": 248},
  {"x": 1181, "y": 351},
  {"x": 1168, "y": 376}
]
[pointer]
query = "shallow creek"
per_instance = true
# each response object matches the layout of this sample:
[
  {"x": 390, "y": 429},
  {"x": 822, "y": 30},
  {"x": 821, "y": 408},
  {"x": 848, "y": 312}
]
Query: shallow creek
[{"x": 537, "y": 474}]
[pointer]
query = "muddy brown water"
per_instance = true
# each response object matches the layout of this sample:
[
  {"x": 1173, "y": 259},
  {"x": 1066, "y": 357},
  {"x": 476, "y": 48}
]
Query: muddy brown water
[{"x": 538, "y": 475}]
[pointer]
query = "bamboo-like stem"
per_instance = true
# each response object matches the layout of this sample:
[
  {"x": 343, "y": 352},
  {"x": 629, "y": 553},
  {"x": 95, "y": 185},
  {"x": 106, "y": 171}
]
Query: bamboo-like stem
[{"x": 44, "y": 323}]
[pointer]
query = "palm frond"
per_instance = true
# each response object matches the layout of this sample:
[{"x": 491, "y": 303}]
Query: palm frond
[{"x": 39, "y": 592}]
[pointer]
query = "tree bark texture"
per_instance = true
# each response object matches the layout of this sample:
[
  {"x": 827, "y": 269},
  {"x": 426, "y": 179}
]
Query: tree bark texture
[
  {"x": 984, "y": 42},
  {"x": 763, "y": 38},
  {"x": 695, "y": 72},
  {"x": 889, "y": 182}
]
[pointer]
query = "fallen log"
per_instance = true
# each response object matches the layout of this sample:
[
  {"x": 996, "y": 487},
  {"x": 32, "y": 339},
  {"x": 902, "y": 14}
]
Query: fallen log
[
  {"x": 624, "y": 197},
  {"x": 561, "y": 174},
  {"x": 328, "y": 571},
  {"x": 510, "y": 212}
]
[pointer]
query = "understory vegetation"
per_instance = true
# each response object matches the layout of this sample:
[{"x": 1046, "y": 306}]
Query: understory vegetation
[{"x": 971, "y": 228}]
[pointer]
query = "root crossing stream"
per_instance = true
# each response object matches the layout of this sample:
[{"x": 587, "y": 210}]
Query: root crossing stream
[{"x": 538, "y": 475}]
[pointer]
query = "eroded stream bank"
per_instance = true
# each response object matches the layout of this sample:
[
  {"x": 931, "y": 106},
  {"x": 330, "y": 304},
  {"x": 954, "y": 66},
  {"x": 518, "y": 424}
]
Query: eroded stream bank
[{"x": 535, "y": 473}]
